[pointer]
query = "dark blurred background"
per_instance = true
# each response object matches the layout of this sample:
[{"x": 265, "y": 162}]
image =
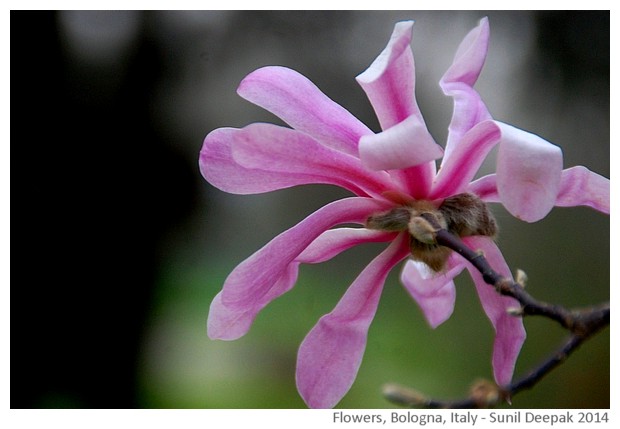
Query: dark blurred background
[{"x": 119, "y": 245}]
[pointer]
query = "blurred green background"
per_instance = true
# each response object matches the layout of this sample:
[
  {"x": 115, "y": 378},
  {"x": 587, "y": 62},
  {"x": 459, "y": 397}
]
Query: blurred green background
[{"x": 129, "y": 244}]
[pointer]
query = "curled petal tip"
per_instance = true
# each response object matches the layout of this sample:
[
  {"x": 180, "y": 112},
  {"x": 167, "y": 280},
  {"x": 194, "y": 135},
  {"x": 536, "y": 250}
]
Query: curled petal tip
[
  {"x": 389, "y": 82},
  {"x": 399, "y": 41},
  {"x": 406, "y": 144},
  {"x": 529, "y": 172}
]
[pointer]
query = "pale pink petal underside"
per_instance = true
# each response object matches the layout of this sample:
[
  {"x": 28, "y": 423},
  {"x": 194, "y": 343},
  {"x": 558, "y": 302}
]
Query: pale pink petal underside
[
  {"x": 406, "y": 144},
  {"x": 434, "y": 292},
  {"x": 529, "y": 171},
  {"x": 582, "y": 187}
]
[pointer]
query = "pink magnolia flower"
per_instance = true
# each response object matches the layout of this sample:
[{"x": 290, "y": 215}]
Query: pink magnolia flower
[{"x": 393, "y": 177}]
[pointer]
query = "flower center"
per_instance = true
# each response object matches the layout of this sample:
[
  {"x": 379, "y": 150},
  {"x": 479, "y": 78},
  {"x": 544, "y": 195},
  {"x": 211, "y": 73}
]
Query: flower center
[{"x": 462, "y": 214}]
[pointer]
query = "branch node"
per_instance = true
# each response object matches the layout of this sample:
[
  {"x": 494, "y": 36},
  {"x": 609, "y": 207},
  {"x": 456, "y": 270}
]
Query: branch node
[{"x": 485, "y": 393}]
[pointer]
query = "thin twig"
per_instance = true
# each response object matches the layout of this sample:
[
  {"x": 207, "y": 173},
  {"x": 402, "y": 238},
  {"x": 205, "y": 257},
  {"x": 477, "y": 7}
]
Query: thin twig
[{"x": 582, "y": 323}]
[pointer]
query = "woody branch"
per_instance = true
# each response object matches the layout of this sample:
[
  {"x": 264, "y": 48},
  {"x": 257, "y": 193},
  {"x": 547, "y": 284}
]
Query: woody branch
[{"x": 581, "y": 323}]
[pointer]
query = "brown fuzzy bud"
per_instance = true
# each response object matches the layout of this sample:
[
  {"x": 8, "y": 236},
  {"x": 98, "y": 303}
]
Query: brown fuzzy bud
[
  {"x": 463, "y": 215},
  {"x": 466, "y": 215},
  {"x": 395, "y": 220}
]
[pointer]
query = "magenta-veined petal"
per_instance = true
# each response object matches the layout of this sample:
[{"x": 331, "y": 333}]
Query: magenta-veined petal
[
  {"x": 470, "y": 56},
  {"x": 529, "y": 172},
  {"x": 330, "y": 356},
  {"x": 509, "y": 330},
  {"x": 227, "y": 323},
  {"x": 486, "y": 188},
  {"x": 389, "y": 82},
  {"x": 582, "y": 187},
  {"x": 298, "y": 102},
  {"x": 271, "y": 148},
  {"x": 219, "y": 168},
  {"x": 459, "y": 169},
  {"x": 334, "y": 241},
  {"x": 406, "y": 144},
  {"x": 434, "y": 292},
  {"x": 458, "y": 82},
  {"x": 252, "y": 280}
]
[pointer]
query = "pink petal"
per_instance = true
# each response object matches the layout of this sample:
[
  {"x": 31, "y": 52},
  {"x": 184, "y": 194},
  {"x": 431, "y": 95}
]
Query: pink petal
[
  {"x": 334, "y": 241},
  {"x": 252, "y": 280},
  {"x": 331, "y": 353},
  {"x": 582, "y": 187},
  {"x": 509, "y": 330},
  {"x": 529, "y": 171},
  {"x": 226, "y": 323},
  {"x": 220, "y": 169},
  {"x": 485, "y": 188},
  {"x": 270, "y": 148},
  {"x": 406, "y": 144},
  {"x": 458, "y": 82},
  {"x": 299, "y": 103},
  {"x": 470, "y": 56},
  {"x": 460, "y": 168},
  {"x": 389, "y": 82},
  {"x": 434, "y": 292}
]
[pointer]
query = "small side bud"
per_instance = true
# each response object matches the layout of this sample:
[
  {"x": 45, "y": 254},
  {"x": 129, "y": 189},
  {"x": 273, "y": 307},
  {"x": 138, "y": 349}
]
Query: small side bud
[
  {"x": 515, "y": 311},
  {"x": 404, "y": 396},
  {"x": 521, "y": 278}
]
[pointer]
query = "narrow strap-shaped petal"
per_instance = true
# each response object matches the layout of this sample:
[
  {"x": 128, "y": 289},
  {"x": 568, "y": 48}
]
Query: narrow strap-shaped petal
[
  {"x": 334, "y": 241},
  {"x": 406, "y": 144},
  {"x": 434, "y": 292},
  {"x": 470, "y": 56},
  {"x": 460, "y": 168},
  {"x": 458, "y": 82},
  {"x": 298, "y": 102},
  {"x": 330, "y": 355},
  {"x": 529, "y": 172},
  {"x": 389, "y": 82},
  {"x": 219, "y": 168},
  {"x": 276, "y": 149},
  {"x": 509, "y": 330},
  {"x": 251, "y": 280},
  {"x": 582, "y": 187},
  {"x": 227, "y": 323}
]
